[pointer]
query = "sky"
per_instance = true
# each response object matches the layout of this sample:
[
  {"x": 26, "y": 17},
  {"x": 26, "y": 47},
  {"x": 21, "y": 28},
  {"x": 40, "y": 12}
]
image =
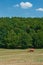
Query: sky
[{"x": 21, "y": 8}]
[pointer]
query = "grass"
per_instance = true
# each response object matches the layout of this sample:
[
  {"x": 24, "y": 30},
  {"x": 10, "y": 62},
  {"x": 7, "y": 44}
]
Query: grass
[{"x": 21, "y": 57}]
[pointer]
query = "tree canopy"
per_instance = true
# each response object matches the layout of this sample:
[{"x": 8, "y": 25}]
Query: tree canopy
[{"x": 18, "y": 32}]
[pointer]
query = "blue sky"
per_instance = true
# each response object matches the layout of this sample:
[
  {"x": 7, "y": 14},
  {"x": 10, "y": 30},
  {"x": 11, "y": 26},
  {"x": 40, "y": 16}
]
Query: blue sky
[{"x": 21, "y": 8}]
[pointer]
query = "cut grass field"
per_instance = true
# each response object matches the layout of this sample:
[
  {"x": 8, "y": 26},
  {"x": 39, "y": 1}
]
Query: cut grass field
[{"x": 21, "y": 57}]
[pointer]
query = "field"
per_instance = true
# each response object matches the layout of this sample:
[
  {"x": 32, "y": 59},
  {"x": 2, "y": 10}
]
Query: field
[{"x": 21, "y": 57}]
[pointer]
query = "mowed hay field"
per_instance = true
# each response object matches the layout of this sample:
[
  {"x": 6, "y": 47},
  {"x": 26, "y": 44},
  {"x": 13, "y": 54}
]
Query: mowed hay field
[{"x": 21, "y": 57}]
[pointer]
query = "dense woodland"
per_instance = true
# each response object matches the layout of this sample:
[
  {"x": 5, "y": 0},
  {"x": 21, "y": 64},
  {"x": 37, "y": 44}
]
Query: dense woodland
[{"x": 18, "y": 32}]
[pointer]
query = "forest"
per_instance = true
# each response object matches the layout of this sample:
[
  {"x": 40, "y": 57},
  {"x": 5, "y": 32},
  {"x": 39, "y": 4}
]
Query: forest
[{"x": 21, "y": 33}]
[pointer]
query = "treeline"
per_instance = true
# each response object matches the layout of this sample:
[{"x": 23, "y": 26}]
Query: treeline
[{"x": 18, "y": 32}]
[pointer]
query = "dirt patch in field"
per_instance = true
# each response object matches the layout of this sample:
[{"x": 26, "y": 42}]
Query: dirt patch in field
[{"x": 18, "y": 63}]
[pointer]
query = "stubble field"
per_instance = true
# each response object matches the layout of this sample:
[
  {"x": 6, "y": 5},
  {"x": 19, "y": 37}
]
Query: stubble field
[{"x": 21, "y": 57}]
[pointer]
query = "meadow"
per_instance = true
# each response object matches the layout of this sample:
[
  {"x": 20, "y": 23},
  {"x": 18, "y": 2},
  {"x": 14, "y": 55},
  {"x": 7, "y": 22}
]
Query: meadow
[{"x": 21, "y": 57}]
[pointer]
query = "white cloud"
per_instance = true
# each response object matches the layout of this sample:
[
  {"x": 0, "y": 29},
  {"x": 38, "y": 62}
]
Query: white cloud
[
  {"x": 39, "y": 9},
  {"x": 17, "y": 5},
  {"x": 25, "y": 5}
]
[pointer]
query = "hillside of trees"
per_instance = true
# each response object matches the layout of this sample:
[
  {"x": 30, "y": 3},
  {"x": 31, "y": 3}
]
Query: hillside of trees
[{"x": 18, "y": 32}]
